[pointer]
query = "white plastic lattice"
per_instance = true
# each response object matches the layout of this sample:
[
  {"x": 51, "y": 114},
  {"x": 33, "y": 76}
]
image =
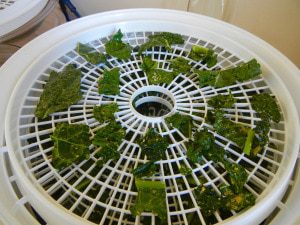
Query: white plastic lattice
[{"x": 109, "y": 193}]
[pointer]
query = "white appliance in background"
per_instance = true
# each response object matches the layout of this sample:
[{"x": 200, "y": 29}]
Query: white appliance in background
[{"x": 275, "y": 21}]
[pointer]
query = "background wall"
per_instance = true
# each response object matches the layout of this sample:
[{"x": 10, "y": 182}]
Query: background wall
[{"x": 275, "y": 21}]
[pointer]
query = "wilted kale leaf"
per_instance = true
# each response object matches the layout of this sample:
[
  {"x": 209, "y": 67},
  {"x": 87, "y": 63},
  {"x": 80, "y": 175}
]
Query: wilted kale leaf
[
  {"x": 151, "y": 198},
  {"x": 105, "y": 113},
  {"x": 71, "y": 144},
  {"x": 183, "y": 123},
  {"x": 206, "y": 55},
  {"x": 153, "y": 145},
  {"x": 222, "y": 78},
  {"x": 109, "y": 83},
  {"x": 61, "y": 91},
  {"x": 164, "y": 39},
  {"x": 117, "y": 48},
  {"x": 90, "y": 54}
]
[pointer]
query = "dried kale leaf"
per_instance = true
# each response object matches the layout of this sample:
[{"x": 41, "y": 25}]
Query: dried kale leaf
[
  {"x": 222, "y": 101},
  {"x": 110, "y": 135},
  {"x": 184, "y": 123},
  {"x": 208, "y": 200},
  {"x": 117, "y": 48},
  {"x": 205, "y": 55},
  {"x": 153, "y": 145},
  {"x": 105, "y": 113},
  {"x": 61, "y": 91},
  {"x": 155, "y": 76},
  {"x": 90, "y": 54},
  {"x": 71, "y": 144},
  {"x": 164, "y": 39},
  {"x": 145, "y": 170},
  {"x": 266, "y": 106},
  {"x": 151, "y": 198},
  {"x": 108, "y": 138},
  {"x": 223, "y": 78},
  {"x": 180, "y": 65},
  {"x": 236, "y": 201},
  {"x": 238, "y": 176},
  {"x": 109, "y": 83}
]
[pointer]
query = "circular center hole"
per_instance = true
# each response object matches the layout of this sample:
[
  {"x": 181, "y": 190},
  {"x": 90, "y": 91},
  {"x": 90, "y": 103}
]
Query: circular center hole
[{"x": 153, "y": 103}]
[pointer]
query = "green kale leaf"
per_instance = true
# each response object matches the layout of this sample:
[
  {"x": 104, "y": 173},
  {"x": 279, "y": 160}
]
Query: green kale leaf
[
  {"x": 61, "y": 91},
  {"x": 109, "y": 83},
  {"x": 222, "y": 101},
  {"x": 145, "y": 170},
  {"x": 117, "y": 48},
  {"x": 71, "y": 144},
  {"x": 236, "y": 201},
  {"x": 108, "y": 138},
  {"x": 151, "y": 198},
  {"x": 206, "y": 55},
  {"x": 180, "y": 65},
  {"x": 164, "y": 39},
  {"x": 155, "y": 76},
  {"x": 184, "y": 170},
  {"x": 249, "y": 142},
  {"x": 90, "y": 54},
  {"x": 110, "y": 135},
  {"x": 105, "y": 113},
  {"x": 106, "y": 153},
  {"x": 207, "y": 199},
  {"x": 183, "y": 123},
  {"x": 223, "y": 78},
  {"x": 237, "y": 174},
  {"x": 229, "y": 129},
  {"x": 262, "y": 129},
  {"x": 266, "y": 106},
  {"x": 153, "y": 145}
]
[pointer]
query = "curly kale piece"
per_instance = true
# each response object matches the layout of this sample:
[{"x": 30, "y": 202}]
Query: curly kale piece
[
  {"x": 208, "y": 200},
  {"x": 237, "y": 174},
  {"x": 206, "y": 55},
  {"x": 236, "y": 201},
  {"x": 164, "y": 39},
  {"x": 106, "y": 153},
  {"x": 110, "y": 135},
  {"x": 71, "y": 144},
  {"x": 229, "y": 129},
  {"x": 109, "y": 83},
  {"x": 204, "y": 145},
  {"x": 145, "y": 170},
  {"x": 151, "y": 198},
  {"x": 262, "y": 129},
  {"x": 90, "y": 54},
  {"x": 105, "y": 113},
  {"x": 61, "y": 91},
  {"x": 153, "y": 145},
  {"x": 117, "y": 48},
  {"x": 223, "y": 78},
  {"x": 184, "y": 170},
  {"x": 266, "y": 107},
  {"x": 108, "y": 138},
  {"x": 180, "y": 65},
  {"x": 184, "y": 123},
  {"x": 155, "y": 75},
  {"x": 222, "y": 101}
]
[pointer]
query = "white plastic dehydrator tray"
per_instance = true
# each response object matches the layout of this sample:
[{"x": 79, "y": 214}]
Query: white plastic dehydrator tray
[
  {"x": 46, "y": 189},
  {"x": 16, "y": 13}
]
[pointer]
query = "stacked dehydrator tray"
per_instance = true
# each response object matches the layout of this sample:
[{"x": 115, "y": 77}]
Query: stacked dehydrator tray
[{"x": 34, "y": 192}]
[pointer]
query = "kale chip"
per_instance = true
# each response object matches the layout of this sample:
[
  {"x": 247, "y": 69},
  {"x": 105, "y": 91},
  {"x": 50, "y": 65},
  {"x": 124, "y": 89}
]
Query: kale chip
[
  {"x": 71, "y": 144},
  {"x": 109, "y": 83},
  {"x": 61, "y": 91},
  {"x": 105, "y": 113},
  {"x": 183, "y": 123},
  {"x": 205, "y": 55},
  {"x": 90, "y": 54}
]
